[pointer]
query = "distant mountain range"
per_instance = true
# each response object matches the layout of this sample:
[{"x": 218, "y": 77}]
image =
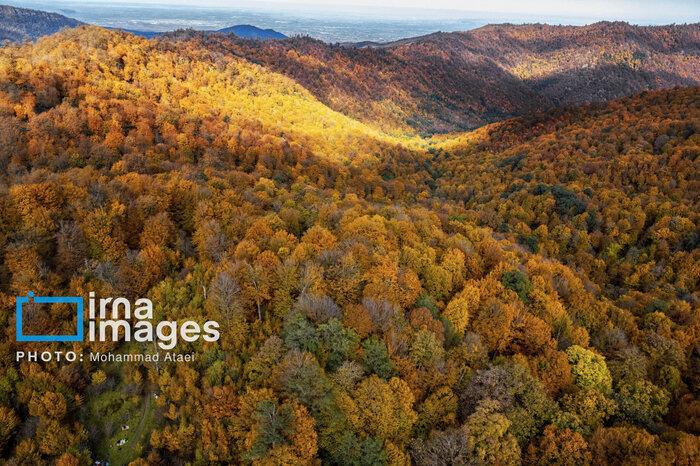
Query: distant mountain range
[
  {"x": 244, "y": 31},
  {"x": 247, "y": 31},
  {"x": 20, "y": 24}
]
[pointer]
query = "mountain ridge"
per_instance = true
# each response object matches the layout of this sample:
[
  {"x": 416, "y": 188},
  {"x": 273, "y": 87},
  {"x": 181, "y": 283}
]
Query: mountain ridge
[
  {"x": 458, "y": 81},
  {"x": 446, "y": 82}
]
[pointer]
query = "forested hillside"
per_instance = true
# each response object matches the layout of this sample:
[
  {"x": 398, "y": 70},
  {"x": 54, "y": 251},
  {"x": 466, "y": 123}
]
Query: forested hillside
[
  {"x": 526, "y": 293},
  {"x": 456, "y": 81},
  {"x": 611, "y": 189}
]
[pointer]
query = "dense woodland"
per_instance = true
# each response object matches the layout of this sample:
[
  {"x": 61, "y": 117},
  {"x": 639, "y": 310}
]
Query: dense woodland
[{"x": 526, "y": 293}]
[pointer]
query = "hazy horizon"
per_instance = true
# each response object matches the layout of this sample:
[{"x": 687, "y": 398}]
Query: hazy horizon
[
  {"x": 353, "y": 20},
  {"x": 642, "y": 11}
]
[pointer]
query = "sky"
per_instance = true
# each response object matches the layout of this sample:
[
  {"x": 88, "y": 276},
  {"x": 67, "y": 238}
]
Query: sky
[{"x": 635, "y": 11}]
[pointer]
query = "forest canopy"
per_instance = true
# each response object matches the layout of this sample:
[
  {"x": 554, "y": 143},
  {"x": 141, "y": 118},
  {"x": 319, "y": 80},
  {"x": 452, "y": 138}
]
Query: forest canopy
[{"x": 525, "y": 293}]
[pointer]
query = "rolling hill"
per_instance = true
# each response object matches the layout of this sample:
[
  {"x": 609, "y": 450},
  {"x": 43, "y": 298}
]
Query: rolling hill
[{"x": 20, "y": 24}]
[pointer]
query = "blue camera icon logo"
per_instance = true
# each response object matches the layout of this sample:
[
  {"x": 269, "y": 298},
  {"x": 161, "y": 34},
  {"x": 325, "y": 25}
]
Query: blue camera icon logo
[{"x": 21, "y": 300}]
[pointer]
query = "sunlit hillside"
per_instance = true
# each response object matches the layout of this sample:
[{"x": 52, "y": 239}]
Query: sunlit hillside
[{"x": 123, "y": 82}]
